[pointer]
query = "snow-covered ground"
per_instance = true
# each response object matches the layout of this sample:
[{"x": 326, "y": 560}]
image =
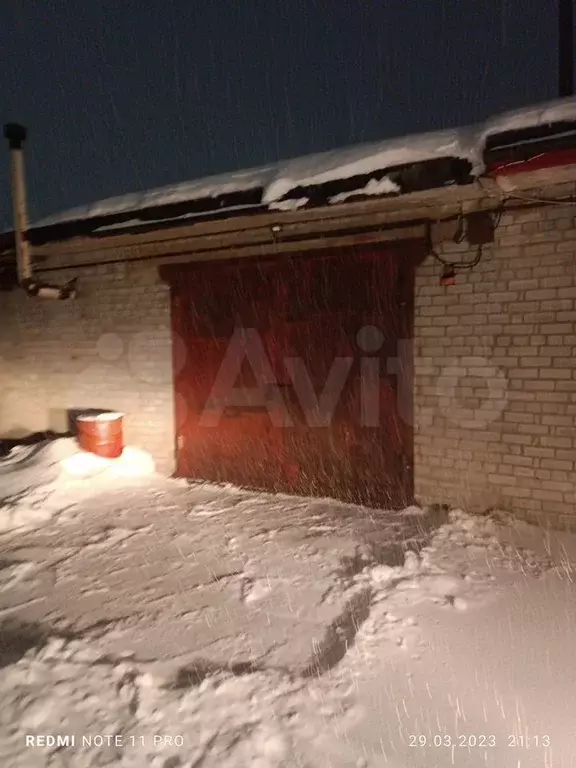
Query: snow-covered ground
[{"x": 162, "y": 624}]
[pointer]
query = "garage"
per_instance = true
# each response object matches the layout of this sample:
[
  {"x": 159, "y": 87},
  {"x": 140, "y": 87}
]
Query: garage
[{"x": 286, "y": 372}]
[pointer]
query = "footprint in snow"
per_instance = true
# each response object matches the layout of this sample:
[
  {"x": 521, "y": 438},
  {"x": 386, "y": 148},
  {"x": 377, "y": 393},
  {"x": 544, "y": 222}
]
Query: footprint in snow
[
  {"x": 13, "y": 572},
  {"x": 455, "y": 602},
  {"x": 254, "y": 591}
]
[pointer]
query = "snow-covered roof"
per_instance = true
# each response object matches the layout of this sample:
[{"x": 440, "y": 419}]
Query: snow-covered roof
[
  {"x": 365, "y": 159},
  {"x": 529, "y": 117},
  {"x": 277, "y": 181},
  {"x": 208, "y": 187},
  {"x": 278, "y": 185}
]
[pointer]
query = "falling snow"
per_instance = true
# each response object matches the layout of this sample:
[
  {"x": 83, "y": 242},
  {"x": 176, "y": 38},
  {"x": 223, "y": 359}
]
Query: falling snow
[
  {"x": 278, "y": 182},
  {"x": 532, "y": 116},
  {"x": 247, "y": 629}
]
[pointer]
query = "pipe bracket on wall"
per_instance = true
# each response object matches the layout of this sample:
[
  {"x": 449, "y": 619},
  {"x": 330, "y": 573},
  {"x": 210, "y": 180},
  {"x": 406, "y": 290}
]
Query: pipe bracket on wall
[{"x": 47, "y": 291}]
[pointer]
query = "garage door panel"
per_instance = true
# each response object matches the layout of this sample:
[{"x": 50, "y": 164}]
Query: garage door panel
[
  {"x": 244, "y": 449},
  {"x": 309, "y": 433},
  {"x": 326, "y": 283},
  {"x": 227, "y": 298},
  {"x": 204, "y": 357},
  {"x": 312, "y": 348},
  {"x": 331, "y": 463},
  {"x": 347, "y": 459}
]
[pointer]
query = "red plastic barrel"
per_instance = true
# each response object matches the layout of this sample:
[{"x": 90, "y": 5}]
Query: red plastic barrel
[{"x": 101, "y": 434}]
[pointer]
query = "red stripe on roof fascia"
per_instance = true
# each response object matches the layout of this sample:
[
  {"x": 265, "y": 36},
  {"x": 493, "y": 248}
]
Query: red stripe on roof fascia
[{"x": 536, "y": 163}]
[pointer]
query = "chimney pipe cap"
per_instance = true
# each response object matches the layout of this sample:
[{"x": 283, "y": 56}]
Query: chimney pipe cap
[{"x": 16, "y": 135}]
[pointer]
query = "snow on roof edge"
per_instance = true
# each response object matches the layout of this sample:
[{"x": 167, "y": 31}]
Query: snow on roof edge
[
  {"x": 278, "y": 180},
  {"x": 531, "y": 116},
  {"x": 209, "y": 186},
  {"x": 363, "y": 159}
]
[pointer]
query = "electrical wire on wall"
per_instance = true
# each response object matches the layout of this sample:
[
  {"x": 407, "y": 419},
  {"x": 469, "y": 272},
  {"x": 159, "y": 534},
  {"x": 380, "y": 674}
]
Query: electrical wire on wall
[
  {"x": 503, "y": 196},
  {"x": 450, "y": 268}
]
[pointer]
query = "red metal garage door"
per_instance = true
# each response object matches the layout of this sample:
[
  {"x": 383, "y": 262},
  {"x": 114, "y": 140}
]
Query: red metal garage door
[{"x": 285, "y": 377}]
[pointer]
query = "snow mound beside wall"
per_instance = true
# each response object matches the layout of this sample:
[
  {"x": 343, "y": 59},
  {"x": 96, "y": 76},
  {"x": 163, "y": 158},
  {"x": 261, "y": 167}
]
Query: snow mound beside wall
[
  {"x": 132, "y": 463},
  {"x": 37, "y": 482}
]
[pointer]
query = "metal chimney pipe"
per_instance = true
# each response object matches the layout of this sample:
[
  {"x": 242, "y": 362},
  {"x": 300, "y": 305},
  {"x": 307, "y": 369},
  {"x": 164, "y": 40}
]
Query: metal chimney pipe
[
  {"x": 565, "y": 48},
  {"x": 16, "y": 135}
]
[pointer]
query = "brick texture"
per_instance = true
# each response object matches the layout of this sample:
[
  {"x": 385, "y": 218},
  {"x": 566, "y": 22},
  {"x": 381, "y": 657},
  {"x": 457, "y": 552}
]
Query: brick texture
[
  {"x": 495, "y": 371},
  {"x": 494, "y": 368},
  {"x": 109, "y": 348}
]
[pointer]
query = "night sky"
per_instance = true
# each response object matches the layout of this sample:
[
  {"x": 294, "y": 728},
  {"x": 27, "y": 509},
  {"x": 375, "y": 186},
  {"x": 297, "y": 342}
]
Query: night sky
[{"x": 123, "y": 95}]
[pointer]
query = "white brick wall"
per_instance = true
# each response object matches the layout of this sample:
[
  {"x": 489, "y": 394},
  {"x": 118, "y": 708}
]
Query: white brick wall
[
  {"x": 109, "y": 348},
  {"x": 495, "y": 365},
  {"x": 507, "y": 324}
]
